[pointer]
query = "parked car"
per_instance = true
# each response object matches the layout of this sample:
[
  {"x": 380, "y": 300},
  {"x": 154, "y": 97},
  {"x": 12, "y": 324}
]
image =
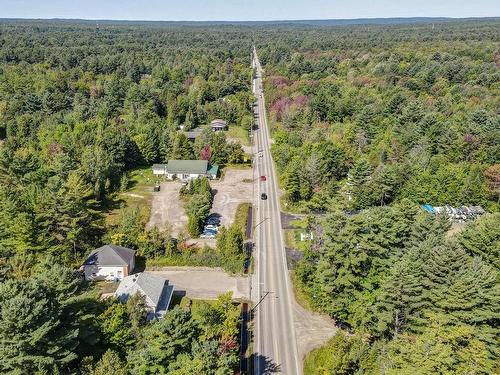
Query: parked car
[
  {"x": 263, "y": 196},
  {"x": 213, "y": 220},
  {"x": 156, "y": 188}
]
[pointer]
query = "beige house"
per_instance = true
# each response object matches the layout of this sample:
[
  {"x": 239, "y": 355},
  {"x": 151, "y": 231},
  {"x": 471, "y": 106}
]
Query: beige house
[
  {"x": 218, "y": 125},
  {"x": 109, "y": 262}
]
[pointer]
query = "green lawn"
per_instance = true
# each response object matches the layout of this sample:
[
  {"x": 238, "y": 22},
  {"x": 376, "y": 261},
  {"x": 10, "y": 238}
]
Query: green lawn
[
  {"x": 241, "y": 216},
  {"x": 185, "y": 302},
  {"x": 138, "y": 194},
  {"x": 237, "y": 132}
]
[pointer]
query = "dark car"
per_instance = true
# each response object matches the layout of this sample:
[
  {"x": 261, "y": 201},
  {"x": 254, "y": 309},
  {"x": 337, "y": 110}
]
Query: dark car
[
  {"x": 263, "y": 196},
  {"x": 156, "y": 188}
]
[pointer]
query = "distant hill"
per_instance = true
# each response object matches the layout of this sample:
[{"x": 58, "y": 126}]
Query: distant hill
[{"x": 313, "y": 23}]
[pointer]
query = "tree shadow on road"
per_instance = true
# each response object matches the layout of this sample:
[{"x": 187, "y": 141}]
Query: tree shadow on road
[{"x": 262, "y": 365}]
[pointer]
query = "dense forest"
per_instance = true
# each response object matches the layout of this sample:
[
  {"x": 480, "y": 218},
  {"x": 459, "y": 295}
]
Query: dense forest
[
  {"x": 82, "y": 105},
  {"x": 369, "y": 123}
]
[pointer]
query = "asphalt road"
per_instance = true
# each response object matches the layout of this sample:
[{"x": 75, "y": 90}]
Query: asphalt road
[{"x": 275, "y": 345}]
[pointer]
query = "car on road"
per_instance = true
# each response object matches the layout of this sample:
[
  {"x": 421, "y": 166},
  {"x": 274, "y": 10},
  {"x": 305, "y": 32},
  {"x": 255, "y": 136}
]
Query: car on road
[
  {"x": 263, "y": 196},
  {"x": 263, "y": 178},
  {"x": 261, "y": 154}
]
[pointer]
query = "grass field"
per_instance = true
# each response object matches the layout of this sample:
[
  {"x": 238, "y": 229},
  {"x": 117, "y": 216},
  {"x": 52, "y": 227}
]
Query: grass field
[
  {"x": 138, "y": 193},
  {"x": 237, "y": 132},
  {"x": 241, "y": 216}
]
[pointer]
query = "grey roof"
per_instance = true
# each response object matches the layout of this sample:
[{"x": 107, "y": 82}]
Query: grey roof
[
  {"x": 187, "y": 166},
  {"x": 194, "y": 133},
  {"x": 110, "y": 255},
  {"x": 218, "y": 123},
  {"x": 159, "y": 166},
  {"x": 155, "y": 288}
]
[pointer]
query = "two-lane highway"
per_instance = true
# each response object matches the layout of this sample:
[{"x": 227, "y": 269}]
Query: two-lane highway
[{"x": 275, "y": 346}]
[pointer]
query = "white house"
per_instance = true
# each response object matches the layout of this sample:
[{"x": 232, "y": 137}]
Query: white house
[
  {"x": 155, "y": 289},
  {"x": 109, "y": 262},
  {"x": 186, "y": 169},
  {"x": 159, "y": 169}
]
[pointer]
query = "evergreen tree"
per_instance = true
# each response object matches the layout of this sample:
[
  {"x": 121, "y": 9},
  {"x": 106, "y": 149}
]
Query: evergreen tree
[
  {"x": 440, "y": 349},
  {"x": 358, "y": 177},
  {"x": 163, "y": 341},
  {"x": 110, "y": 363},
  {"x": 480, "y": 238},
  {"x": 32, "y": 337},
  {"x": 181, "y": 148},
  {"x": 403, "y": 295}
]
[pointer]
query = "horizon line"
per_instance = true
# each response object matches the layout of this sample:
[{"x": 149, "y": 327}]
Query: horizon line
[{"x": 256, "y": 21}]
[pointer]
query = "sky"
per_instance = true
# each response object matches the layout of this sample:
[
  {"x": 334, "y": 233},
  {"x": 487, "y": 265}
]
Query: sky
[{"x": 245, "y": 10}]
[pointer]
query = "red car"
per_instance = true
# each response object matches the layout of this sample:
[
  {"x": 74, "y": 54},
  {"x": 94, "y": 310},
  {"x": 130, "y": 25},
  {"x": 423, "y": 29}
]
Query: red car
[{"x": 263, "y": 178}]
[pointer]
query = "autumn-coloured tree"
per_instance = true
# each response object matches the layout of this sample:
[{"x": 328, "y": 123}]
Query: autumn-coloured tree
[{"x": 492, "y": 174}]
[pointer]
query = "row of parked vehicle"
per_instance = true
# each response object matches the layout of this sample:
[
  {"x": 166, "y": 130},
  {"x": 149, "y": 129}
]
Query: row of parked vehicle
[{"x": 211, "y": 227}]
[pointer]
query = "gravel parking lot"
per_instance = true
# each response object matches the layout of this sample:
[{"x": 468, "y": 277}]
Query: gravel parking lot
[
  {"x": 167, "y": 210},
  {"x": 234, "y": 188},
  {"x": 204, "y": 283}
]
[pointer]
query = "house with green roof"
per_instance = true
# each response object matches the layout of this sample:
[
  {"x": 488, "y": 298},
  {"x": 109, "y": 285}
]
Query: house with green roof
[{"x": 186, "y": 169}]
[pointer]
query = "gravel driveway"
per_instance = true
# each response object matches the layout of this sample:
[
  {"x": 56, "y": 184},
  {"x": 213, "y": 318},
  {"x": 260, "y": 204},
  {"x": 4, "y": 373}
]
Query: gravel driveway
[{"x": 167, "y": 210}]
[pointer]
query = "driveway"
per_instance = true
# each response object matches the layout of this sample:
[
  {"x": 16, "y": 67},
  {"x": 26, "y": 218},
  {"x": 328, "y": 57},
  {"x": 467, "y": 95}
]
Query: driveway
[
  {"x": 167, "y": 210},
  {"x": 204, "y": 282},
  {"x": 234, "y": 188}
]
